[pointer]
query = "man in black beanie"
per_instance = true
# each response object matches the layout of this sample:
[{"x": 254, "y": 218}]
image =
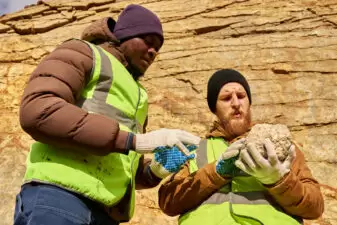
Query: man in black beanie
[
  {"x": 230, "y": 182},
  {"x": 233, "y": 111}
]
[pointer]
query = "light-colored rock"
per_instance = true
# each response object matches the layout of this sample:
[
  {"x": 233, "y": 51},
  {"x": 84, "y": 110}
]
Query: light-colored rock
[
  {"x": 40, "y": 26},
  {"x": 279, "y": 135},
  {"x": 286, "y": 49},
  {"x": 78, "y": 4},
  {"x": 26, "y": 13},
  {"x": 4, "y": 28}
]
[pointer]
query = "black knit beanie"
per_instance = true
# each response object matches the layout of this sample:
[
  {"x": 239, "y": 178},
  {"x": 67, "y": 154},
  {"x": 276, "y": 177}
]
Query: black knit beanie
[
  {"x": 135, "y": 20},
  {"x": 219, "y": 79}
]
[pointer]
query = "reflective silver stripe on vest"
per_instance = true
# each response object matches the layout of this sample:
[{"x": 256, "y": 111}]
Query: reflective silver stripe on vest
[
  {"x": 256, "y": 198},
  {"x": 202, "y": 153},
  {"x": 97, "y": 103},
  {"x": 202, "y": 156}
]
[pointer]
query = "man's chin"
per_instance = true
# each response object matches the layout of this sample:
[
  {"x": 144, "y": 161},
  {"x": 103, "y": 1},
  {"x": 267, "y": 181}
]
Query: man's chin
[
  {"x": 239, "y": 127},
  {"x": 142, "y": 68},
  {"x": 237, "y": 122},
  {"x": 239, "y": 130},
  {"x": 136, "y": 71}
]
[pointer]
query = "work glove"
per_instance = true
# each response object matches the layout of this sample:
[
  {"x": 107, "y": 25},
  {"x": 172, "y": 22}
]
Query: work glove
[
  {"x": 225, "y": 164},
  {"x": 267, "y": 171},
  {"x": 147, "y": 143},
  {"x": 168, "y": 160}
]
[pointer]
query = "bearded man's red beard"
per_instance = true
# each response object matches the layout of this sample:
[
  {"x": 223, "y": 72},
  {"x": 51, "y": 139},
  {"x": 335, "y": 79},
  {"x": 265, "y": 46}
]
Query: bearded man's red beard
[{"x": 235, "y": 127}]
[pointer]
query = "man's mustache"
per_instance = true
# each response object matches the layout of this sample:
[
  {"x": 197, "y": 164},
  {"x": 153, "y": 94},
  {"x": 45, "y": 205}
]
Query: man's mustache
[{"x": 235, "y": 112}]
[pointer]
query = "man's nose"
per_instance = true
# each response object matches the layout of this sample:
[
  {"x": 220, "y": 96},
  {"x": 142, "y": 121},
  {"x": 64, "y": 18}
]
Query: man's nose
[{"x": 235, "y": 101}]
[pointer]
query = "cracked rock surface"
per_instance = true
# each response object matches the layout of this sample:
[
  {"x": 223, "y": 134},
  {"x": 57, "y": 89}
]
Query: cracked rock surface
[
  {"x": 285, "y": 48},
  {"x": 279, "y": 135}
]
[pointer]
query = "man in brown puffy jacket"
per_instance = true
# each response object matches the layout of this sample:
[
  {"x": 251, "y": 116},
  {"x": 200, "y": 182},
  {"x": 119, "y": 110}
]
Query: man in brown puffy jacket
[
  {"x": 213, "y": 190},
  {"x": 87, "y": 111}
]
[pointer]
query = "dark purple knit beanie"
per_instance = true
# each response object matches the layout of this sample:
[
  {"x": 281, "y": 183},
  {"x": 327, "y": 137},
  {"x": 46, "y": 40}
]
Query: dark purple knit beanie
[
  {"x": 219, "y": 79},
  {"x": 136, "y": 20}
]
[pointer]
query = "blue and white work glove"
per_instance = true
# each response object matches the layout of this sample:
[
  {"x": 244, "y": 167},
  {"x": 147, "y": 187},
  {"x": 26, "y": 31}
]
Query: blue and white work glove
[
  {"x": 225, "y": 166},
  {"x": 168, "y": 160}
]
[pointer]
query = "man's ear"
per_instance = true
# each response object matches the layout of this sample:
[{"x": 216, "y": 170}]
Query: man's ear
[
  {"x": 111, "y": 24},
  {"x": 216, "y": 113}
]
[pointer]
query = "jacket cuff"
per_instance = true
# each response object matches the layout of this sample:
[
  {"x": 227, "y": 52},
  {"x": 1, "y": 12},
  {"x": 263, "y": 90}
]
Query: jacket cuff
[
  {"x": 121, "y": 142},
  {"x": 286, "y": 183}
]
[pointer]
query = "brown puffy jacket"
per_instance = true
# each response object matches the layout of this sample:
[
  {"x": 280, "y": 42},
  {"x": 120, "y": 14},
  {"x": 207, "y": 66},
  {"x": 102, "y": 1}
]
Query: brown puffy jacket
[
  {"x": 298, "y": 193},
  {"x": 47, "y": 110}
]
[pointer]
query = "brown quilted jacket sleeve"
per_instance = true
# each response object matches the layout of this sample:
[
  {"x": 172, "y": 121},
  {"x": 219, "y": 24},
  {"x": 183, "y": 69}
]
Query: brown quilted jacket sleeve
[
  {"x": 185, "y": 191},
  {"x": 47, "y": 110},
  {"x": 298, "y": 193}
]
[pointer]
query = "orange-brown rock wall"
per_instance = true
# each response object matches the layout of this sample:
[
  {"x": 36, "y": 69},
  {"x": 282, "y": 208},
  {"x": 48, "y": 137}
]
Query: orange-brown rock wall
[{"x": 286, "y": 49}]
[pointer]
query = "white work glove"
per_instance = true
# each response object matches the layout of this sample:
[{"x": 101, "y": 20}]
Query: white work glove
[
  {"x": 267, "y": 171},
  {"x": 147, "y": 143}
]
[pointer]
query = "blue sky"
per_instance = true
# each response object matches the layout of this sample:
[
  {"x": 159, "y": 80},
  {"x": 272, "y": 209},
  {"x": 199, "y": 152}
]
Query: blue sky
[{"x": 9, "y": 6}]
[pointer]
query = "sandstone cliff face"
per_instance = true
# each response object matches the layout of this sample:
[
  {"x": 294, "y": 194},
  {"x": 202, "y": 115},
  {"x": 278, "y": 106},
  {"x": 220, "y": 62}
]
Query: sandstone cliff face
[{"x": 286, "y": 49}]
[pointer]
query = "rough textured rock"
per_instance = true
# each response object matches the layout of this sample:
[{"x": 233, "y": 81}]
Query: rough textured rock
[
  {"x": 286, "y": 49},
  {"x": 279, "y": 135}
]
